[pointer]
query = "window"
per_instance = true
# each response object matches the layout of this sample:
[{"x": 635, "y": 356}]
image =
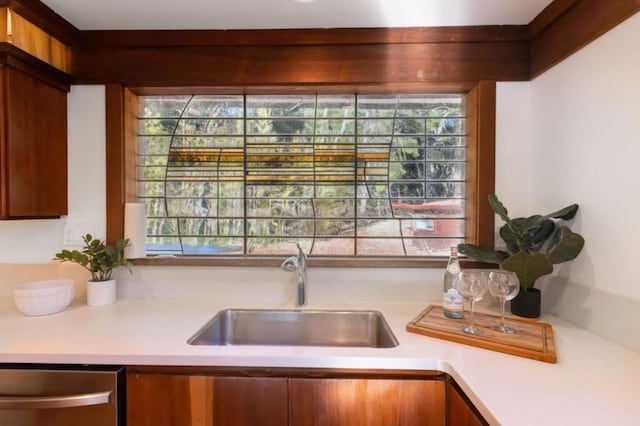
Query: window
[
  {"x": 343, "y": 175},
  {"x": 125, "y": 109}
]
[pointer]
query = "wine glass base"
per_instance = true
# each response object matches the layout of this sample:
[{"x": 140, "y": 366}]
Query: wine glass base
[
  {"x": 471, "y": 330},
  {"x": 504, "y": 329}
]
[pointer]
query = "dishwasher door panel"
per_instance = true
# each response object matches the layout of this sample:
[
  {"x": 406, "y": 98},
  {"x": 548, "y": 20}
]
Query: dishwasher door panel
[{"x": 35, "y": 397}]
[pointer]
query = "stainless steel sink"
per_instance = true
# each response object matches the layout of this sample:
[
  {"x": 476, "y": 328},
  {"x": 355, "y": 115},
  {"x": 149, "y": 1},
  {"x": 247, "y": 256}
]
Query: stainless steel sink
[{"x": 296, "y": 328}]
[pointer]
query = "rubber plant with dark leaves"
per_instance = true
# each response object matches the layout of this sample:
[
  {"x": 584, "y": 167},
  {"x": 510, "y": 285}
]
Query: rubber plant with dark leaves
[
  {"x": 534, "y": 244},
  {"x": 97, "y": 257}
]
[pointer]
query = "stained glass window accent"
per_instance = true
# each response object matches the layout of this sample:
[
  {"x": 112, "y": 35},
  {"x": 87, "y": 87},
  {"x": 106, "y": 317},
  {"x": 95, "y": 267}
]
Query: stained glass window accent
[{"x": 343, "y": 175}]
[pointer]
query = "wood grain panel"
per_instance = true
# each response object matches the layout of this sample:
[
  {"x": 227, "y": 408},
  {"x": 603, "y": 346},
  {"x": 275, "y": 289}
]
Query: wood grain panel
[
  {"x": 580, "y": 24},
  {"x": 199, "y": 400},
  {"x": 486, "y": 161},
  {"x": 366, "y": 402},
  {"x": 481, "y": 136},
  {"x": 531, "y": 339},
  {"x": 115, "y": 149},
  {"x": 460, "y": 411},
  {"x": 18, "y": 59},
  {"x": 4, "y": 150},
  {"x": 247, "y": 401},
  {"x": 311, "y": 36},
  {"x": 121, "y": 139},
  {"x": 45, "y": 18},
  {"x": 156, "y": 400},
  {"x": 34, "y": 154},
  {"x": 548, "y": 15},
  {"x": 559, "y": 30},
  {"x": 301, "y": 65},
  {"x": 131, "y": 107},
  {"x": 37, "y": 43}
]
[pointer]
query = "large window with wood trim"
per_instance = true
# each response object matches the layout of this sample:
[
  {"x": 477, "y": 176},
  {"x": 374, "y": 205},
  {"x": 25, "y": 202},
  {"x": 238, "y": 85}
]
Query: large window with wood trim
[
  {"x": 340, "y": 174},
  {"x": 359, "y": 177}
]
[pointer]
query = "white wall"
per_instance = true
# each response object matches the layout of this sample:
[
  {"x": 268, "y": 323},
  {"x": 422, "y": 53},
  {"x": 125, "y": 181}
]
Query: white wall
[
  {"x": 514, "y": 149},
  {"x": 87, "y": 166},
  {"x": 586, "y": 116},
  {"x": 577, "y": 139}
]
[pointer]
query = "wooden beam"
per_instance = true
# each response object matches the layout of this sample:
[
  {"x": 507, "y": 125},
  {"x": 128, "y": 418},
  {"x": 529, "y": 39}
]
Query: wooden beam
[
  {"x": 432, "y": 55},
  {"x": 18, "y": 31},
  {"x": 44, "y": 18},
  {"x": 302, "y": 64},
  {"x": 21, "y": 60},
  {"x": 115, "y": 160},
  {"x": 570, "y": 25},
  {"x": 549, "y": 14},
  {"x": 486, "y": 161},
  {"x": 299, "y": 37},
  {"x": 481, "y": 133}
]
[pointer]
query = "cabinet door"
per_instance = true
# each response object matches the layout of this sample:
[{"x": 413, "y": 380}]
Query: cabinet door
[
  {"x": 366, "y": 402},
  {"x": 460, "y": 411},
  {"x": 194, "y": 400},
  {"x": 33, "y": 147}
]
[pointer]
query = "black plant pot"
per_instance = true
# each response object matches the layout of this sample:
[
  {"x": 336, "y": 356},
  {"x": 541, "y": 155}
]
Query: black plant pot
[{"x": 527, "y": 303}]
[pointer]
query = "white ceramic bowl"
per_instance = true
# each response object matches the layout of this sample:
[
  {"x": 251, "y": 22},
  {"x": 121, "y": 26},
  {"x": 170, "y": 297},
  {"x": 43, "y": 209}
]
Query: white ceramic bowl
[{"x": 43, "y": 297}]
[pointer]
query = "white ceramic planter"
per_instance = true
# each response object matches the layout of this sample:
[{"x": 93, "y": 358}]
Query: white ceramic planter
[{"x": 101, "y": 292}]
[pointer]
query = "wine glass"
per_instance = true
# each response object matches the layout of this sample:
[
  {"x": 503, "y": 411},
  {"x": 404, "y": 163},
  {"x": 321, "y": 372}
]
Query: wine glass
[
  {"x": 473, "y": 286},
  {"x": 505, "y": 286}
]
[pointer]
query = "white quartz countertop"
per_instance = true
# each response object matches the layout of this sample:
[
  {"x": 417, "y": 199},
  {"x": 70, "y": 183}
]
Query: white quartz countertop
[{"x": 594, "y": 382}]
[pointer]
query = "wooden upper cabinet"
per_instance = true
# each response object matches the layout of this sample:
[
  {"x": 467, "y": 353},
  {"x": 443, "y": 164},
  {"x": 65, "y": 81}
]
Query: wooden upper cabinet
[{"x": 33, "y": 147}]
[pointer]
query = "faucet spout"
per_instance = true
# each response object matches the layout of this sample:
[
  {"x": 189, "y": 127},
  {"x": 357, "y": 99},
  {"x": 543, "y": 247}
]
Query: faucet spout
[{"x": 298, "y": 264}]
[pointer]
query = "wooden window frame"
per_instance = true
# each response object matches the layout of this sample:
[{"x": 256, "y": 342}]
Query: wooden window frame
[{"x": 121, "y": 139}]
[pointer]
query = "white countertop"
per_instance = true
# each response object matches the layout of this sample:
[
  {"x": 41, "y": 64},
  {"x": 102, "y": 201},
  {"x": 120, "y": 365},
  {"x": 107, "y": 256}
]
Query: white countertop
[{"x": 594, "y": 382}]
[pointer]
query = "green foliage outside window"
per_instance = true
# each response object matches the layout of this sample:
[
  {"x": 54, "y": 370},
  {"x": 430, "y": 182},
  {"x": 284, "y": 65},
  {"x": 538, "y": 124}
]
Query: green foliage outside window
[{"x": 341, "y": 174}]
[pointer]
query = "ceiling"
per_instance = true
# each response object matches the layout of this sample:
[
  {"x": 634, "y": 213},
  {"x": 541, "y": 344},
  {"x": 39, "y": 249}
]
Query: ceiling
[{"x": 271, "y": 14}]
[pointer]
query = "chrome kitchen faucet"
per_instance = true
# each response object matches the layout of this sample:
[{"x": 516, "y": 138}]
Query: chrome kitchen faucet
[{"x": 298, "y": 264}]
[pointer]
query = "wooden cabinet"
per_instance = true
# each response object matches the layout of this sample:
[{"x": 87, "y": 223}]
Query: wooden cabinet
[
  {"x": 33, "y": 147},
  {"x": 460, "y": 411},
  {"x": 366, "y": 402},
  {"x": 204, "y": 400},
  {"x": 284, "y": 398},
  {"x": 210, "y": 396}
]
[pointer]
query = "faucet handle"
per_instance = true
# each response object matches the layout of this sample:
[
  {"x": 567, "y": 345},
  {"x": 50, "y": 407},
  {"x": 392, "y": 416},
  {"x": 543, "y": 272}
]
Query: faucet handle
[{"x": 302, "y": 257}]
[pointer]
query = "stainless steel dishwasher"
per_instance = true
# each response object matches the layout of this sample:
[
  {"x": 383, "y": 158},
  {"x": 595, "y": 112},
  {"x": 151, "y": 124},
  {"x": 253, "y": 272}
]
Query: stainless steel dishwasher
[{"x": 61, "y": 395}]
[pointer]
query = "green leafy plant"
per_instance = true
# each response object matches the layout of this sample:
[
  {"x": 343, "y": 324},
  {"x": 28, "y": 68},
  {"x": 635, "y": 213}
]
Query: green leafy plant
[
  {"x": 534, "y": 244},
  {"x": 97, "y": 257}
]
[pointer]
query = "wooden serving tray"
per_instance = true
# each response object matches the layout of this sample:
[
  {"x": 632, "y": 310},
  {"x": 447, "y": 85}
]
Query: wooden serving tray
[{"x": 532, "y": 339}]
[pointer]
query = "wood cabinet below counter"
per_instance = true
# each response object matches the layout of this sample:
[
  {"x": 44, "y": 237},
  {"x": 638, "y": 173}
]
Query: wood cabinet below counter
[
  {"x": 203, "y": 396},
  {"x": 205, "y": 400}
]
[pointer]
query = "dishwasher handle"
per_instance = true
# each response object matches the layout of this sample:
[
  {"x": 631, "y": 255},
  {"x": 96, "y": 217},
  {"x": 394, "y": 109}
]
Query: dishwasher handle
[{"x": 62, "y": 401}]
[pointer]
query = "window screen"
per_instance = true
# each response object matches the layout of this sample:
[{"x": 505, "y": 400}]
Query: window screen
[{"x": 343, "y": 175}]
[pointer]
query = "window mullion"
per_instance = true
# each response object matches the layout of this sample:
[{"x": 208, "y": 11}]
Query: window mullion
[{"x": 382, "y": 172}]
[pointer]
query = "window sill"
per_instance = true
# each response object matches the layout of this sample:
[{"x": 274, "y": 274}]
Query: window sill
[{"x": 313, "y": 262}]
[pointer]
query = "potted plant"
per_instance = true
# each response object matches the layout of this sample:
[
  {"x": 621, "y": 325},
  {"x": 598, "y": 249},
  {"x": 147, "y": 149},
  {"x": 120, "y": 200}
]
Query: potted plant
[
  {"x": 533, "y": 245},
  {"x": 99, "y": 259}
]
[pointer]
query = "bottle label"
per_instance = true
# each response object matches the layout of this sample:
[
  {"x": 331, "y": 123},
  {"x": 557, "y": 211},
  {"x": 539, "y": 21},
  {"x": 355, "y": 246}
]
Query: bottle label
[
  {"x": 452, "y": 301},
  {"x": 453, "y": 268}
]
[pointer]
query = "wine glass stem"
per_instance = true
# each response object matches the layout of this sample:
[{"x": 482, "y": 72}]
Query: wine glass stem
[
  {"x": 502, "y": 303},
  {"x": 471, "y": 315}
]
